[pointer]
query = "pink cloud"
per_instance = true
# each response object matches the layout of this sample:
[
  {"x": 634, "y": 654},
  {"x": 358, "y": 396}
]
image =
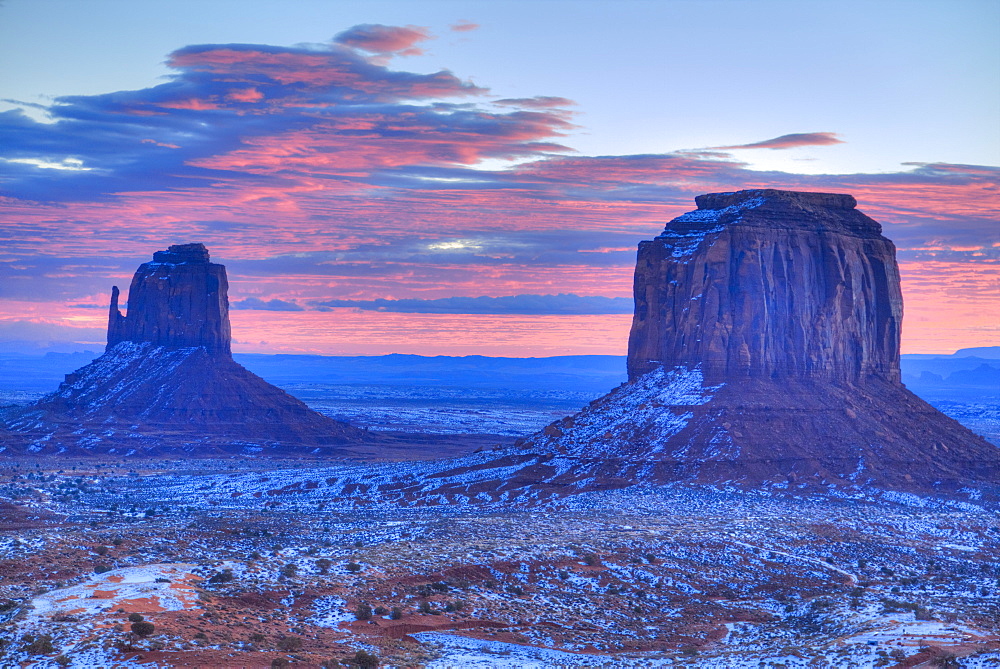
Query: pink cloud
[
  {"x": 321, "y": 174},
  {"x": 463, "y": 26},
  {"x": 791, "y": 141},
  {"x": 380, "y": 39}
]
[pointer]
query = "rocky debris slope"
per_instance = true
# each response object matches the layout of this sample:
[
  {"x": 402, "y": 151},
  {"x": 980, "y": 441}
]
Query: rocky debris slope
[{"x": 167, "y": 380}]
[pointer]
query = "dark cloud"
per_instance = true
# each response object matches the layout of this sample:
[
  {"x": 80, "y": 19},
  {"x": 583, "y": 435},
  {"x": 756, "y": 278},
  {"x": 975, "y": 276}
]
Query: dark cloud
[
  {"x": 403, "y": 253},
  {"x": 791, "y": 141},
  {"x": 257, "y": 304},
  {"x": 231, "y": 111},
  {"x": 537, "y": 102},
  {"x": 377, "y": 38},
  {"x": 563, "y": 303}
]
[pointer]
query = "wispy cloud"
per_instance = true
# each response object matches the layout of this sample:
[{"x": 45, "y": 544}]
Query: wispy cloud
[
  {"x": 791, "y": 141},
  {"x": 463, "y": 26},
  {"x": 563, "y": 303},
  {"x": 322, "y": 174},
  {"x": 537, "y": 102}
]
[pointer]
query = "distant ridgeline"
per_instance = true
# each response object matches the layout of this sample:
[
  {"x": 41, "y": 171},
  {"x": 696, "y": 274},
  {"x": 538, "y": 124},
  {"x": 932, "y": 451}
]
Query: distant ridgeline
[{"x": 167, "y": 381}]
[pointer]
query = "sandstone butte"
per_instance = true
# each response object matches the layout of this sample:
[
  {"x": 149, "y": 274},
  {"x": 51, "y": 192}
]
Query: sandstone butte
[
  {"x": 765, "y": 349},
  {"x": 167, "y": 380}
]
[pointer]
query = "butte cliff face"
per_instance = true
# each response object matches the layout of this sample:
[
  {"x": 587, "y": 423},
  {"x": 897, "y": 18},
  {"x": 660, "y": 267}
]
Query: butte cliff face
[
  {"x": 769, "y": 284},
  {"x": 178, "y": 300},
  {"x": 167, "y": 380}
]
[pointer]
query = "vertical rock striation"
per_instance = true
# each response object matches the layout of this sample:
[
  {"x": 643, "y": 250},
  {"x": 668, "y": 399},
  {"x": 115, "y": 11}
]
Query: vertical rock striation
[
  {"x": 177, "y": 300},
  {"x": 769, "y": 284},
  {"x": 167, "y": 379}
]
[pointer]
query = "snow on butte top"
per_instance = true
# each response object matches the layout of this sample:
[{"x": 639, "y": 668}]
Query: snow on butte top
[
  {"x": 769, "y": 208},
  {"x": 182, "y": 254},
  {"x": 806, "y": 200}
]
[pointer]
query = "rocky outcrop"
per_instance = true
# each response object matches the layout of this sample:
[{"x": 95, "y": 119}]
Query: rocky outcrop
[
  {"x": 167, "y": 380},
  {"x": 769, "y": 284},
  {"x": 178, "y": 300}
]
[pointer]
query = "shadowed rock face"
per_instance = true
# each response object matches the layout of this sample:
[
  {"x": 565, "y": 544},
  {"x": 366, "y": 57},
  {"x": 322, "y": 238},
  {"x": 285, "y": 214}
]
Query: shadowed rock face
[
  {"x": 769, "y": 284},
  {"x": 177, "y": 300},
  {"x": 167, "y": 380}
]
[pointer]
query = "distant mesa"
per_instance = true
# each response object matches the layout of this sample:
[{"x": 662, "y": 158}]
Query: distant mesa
[{"x": 167, "y": 380}]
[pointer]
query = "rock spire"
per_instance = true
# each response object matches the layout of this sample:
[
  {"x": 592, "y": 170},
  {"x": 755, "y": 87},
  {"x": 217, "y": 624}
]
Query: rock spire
[
  {"x": 178, "y": 300},
  {"x": 167, "y": 381}
]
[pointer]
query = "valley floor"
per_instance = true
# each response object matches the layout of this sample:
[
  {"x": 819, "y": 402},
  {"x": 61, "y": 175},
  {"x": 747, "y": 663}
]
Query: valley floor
[{"x": 674, "y": 576}]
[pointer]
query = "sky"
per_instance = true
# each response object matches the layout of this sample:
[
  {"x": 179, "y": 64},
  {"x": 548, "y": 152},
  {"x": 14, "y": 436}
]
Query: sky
[{"x": 453, "y": 178}]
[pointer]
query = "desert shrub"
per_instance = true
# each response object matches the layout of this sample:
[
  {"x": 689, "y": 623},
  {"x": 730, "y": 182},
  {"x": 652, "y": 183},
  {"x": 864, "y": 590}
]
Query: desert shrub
[
  {"x": 591, "y": 560},
  {"x": 101, "y": 550},
  {"x": 62, "y": 660},
  {"x": 563, "y": 574},
  {"x": 143, "y": 628},
  {"x": 279, "y": 662},
  {"x": 381, "y": 610},
  {"x": 363, "y": 612},
  {"x": 135, "y": 618},
  {"x": 257, "y": 637},
  {"x": 426, "y": 607},
  {"x": 396, "y": 614},
  {"x": 38, "y": 645},
  {"x": 289, "y": 644},
  {"x": 224, "y": 576},
  {"x": 323, "y": 564},
  {"x": 363, "y": 659},
  {"x": 289, "y": 570},
  {"x": 118, "y": 541},
  {"x": 353, "y": 567},
  {"x": 101, "y": 568}
]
